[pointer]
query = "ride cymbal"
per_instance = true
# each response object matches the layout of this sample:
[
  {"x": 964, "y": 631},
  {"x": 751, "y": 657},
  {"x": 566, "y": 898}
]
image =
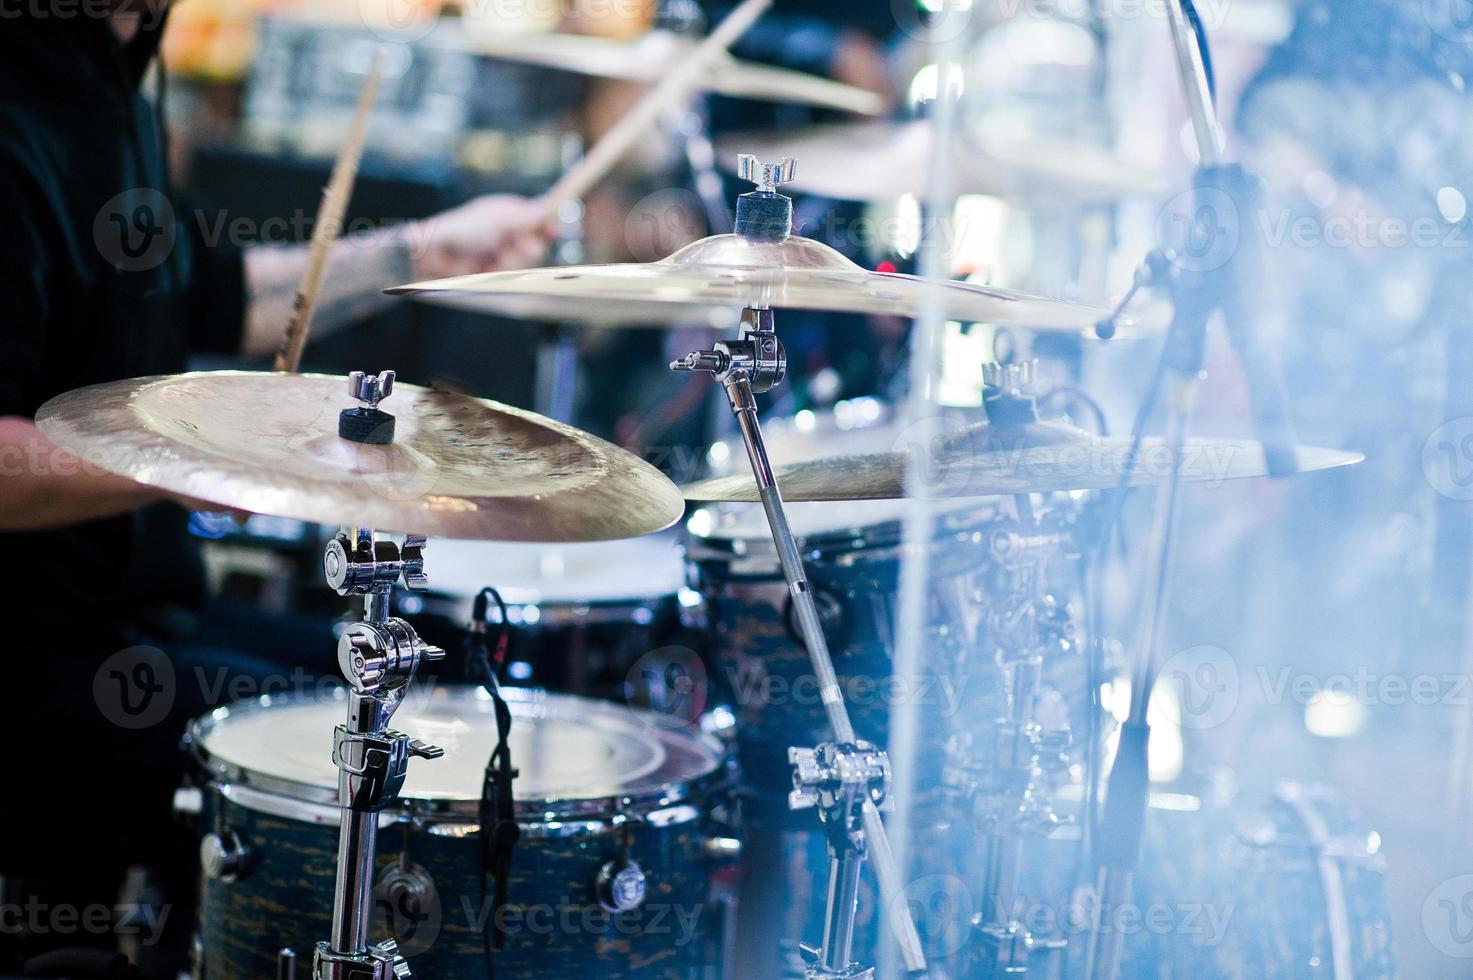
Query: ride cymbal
[
  {"x": 710, "y": 280},
  {"x": 458, "y": 466},
  {"x": 986, "y": 460}
]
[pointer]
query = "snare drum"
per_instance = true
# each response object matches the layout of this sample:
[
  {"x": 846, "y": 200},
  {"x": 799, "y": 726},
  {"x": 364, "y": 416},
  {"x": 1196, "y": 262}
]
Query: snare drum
[
  {"x": 618, "y": 810},
  {"x": 582, "y": 615}
]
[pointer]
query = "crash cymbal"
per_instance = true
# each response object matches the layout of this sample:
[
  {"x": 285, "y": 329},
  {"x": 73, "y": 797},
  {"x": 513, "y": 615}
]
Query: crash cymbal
[
  {"x": 648, "y": 57},
  {"x": 985, "y": 460},
  {"x": 882, "y": 161},
  {"x": 710, "y": 280},
  {"x": 457, "y": 467}
]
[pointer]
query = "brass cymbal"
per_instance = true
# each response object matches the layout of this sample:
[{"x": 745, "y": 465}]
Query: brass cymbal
[
  {"x": 459, "y": 467},
  {"x": 985, "y": 460},
  {"x": 710, "y": 280},
  {"x": 881, "y": 161},
  {"x": 648, "y": 57}
]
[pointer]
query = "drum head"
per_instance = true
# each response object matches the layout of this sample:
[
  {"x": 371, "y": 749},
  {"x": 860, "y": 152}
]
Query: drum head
[{"x": 571, "y": 752}]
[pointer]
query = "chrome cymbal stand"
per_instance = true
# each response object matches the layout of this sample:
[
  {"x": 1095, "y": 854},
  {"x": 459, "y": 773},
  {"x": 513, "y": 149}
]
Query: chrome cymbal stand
[
  {"x": 1198, "y": 292},
  {"x": 379, "y": 656},
  {"x": 756, "y": 362},
  {"x": 839, "y": 779},
  {"x": 1003, "y": 787},
  {"x": 1000, "y": 781}
]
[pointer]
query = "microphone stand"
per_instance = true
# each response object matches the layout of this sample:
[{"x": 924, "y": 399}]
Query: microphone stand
[{"x": 1200, "y": 286}]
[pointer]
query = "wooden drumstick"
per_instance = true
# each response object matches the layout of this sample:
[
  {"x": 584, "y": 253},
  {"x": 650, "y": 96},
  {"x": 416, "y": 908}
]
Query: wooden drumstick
[
  {"x": 675, "y": 86},
  {"x": 335, "y": 198}
]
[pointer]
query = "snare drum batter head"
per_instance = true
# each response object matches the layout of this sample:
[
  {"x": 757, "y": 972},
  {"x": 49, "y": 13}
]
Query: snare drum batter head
[{"x": 575, "y": 756}]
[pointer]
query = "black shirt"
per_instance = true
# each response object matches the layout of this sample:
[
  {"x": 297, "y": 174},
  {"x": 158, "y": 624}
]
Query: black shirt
[{"x": 102, "y": 277}]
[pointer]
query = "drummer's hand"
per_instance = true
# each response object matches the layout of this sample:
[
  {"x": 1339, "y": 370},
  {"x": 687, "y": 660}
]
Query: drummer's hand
[
  {"x": 859, "y": 61},
  {"x": 489, "y": 234}
]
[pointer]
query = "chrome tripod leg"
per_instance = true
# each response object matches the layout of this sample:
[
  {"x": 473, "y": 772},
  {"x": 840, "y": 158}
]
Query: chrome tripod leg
[{"x": 744, "y": 408}]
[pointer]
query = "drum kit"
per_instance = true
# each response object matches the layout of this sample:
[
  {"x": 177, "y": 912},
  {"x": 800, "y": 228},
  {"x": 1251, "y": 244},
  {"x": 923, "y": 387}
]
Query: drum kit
[{"x": 589, "y": 837}]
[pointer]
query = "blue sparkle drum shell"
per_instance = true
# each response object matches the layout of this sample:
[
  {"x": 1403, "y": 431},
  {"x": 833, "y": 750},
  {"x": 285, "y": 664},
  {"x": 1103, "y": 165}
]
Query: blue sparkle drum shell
[{"x": 601, "y": 785}]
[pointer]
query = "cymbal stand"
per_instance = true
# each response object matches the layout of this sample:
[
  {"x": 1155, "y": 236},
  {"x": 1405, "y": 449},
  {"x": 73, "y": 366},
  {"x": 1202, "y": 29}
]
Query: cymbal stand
[
  {"x": 1001, "y": 787},
  {"x": 1201, "y": 285},
  {"x": 756, "y": 362},
  {"x": 379, "y": 656},
  {"x": 840, "y": 779},
  {"x": 1003, "y": 790}
]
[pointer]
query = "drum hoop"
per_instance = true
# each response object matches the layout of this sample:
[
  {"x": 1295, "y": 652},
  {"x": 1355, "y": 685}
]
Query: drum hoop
[
  {"x": 218, "y": 772},
  {"x": 260, "y": 800}
]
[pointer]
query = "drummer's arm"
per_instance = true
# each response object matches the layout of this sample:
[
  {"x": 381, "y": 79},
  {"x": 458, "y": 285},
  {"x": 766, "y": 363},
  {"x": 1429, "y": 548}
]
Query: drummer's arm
[
  {"x": 488, "y": 234},
  {"x": 43, "y": 487}
]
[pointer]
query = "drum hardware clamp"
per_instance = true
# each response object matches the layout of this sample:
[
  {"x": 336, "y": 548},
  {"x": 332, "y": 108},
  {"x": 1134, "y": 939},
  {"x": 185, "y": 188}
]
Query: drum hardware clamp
[
  {"x": 839, "y": 779},
  {"x": 379, "y": 656}
]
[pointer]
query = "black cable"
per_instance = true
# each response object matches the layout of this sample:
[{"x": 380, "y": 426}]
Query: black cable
[{"x": 497, "y": 809}]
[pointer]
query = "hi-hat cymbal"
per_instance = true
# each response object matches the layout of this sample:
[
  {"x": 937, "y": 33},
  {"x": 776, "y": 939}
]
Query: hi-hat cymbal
[
  {"x": 881, "y": 161},
  {"x": 649, "y": 57},
  {"x": 458, "y": 467},
  {"x": 985, "y": 460},
  {"x": 707, "y": 281}
]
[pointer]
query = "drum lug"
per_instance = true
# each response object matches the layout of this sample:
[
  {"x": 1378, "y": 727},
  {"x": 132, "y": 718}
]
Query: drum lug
[
  {"x": 621, "y": 886},
  {"x": 224, "y": 856}
]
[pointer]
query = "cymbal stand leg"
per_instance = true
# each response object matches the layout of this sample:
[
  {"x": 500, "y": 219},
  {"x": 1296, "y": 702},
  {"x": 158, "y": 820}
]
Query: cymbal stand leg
[
  {"x": 840, "y": 778},
  {"x": 379, "y": 657},
  {"x": 756, "y": 362}
]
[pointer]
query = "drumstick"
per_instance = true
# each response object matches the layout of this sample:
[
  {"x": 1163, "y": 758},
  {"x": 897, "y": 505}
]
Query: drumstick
[
  {"x": 675, "y": 86},
  {"x": 330, "y": 215}
]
